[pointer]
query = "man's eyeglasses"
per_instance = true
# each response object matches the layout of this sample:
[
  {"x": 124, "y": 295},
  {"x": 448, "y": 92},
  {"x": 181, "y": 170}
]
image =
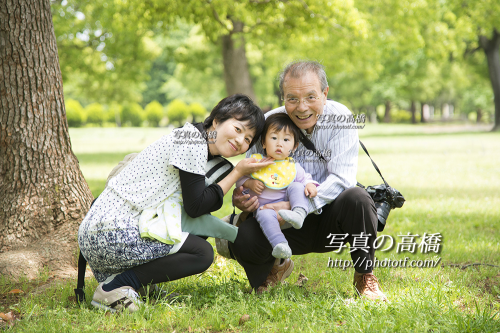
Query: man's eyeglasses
[{"x": 307, "y": 101}]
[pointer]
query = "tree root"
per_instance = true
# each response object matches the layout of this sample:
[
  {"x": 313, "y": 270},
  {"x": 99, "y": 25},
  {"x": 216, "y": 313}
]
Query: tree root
[{"x": 51, "y": 255}]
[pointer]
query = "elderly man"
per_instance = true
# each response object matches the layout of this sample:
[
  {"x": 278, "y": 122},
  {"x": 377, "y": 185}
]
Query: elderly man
[{"x": 341, "y": 212}]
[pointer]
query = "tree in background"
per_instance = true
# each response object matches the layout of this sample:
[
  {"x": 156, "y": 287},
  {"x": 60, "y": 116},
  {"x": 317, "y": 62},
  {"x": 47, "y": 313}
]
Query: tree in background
[
  {"x": 75, "y": 114},
  {"x": 177, "y": 112},
  {"x": 132, "y": 115},
  {"x": 154, "y": 113},
  {"x": 198, "y": 112},
  {"x": 95, "y": 114},
  {"x": 43, "y": 195},
  {"x": 387, "y": 52},
  {"x": 232, "y": 25},
  {"x": 410, "y": 45},
  {"x": 197, "y": 71},
  {"x": 105, "y": 49},
  {"x": 477, "y": 97},
  {"x": 480, "y": 25}
]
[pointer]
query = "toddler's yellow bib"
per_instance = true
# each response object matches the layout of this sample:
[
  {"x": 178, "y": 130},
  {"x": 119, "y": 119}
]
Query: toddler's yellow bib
[{"x": 276, "y": 176}]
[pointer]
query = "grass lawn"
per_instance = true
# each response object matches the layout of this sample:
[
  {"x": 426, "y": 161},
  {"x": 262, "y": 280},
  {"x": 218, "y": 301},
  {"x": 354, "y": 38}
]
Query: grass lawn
[{"x": 450, "y": 182}]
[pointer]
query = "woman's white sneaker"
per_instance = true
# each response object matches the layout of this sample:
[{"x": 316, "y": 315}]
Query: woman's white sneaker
[{"x": 117, "y": 299}]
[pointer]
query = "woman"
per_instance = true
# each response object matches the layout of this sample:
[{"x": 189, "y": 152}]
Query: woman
[{"x": 109, "y": 235}]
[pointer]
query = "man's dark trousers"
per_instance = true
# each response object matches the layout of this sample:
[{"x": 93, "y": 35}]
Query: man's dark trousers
[{"x": 352, "y": 212}]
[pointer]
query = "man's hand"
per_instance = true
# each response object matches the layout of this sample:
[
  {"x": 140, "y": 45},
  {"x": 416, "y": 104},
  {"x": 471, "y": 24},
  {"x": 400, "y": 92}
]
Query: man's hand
[
  {"x": 241, "y": 201},
  {"x": 310, "y": 191},
  {"x": 255, "y": 185},
  {"x": 277, "y": 206}
]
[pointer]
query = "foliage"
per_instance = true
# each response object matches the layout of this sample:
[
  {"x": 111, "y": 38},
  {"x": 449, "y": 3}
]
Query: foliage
[
  {"x": 400, "y": 116},
  {"x": 154, "y": 113},
  {"x": 373, "y": 51},
  {"x": 75, "y": 114},
  {"x": 113, "y": 115},
  {"x": 177, "y": 112},
  {"x": 105, "y": 48},
  {"x": 95, "y": 114},
  {"x": 197, "y": 111},
  {"x": 132, "y": 115}
]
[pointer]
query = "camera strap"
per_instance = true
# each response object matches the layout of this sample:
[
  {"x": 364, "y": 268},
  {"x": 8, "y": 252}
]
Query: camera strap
[
  {"x": 310, "y": 146},
  {"x": 375, "y": 165}
]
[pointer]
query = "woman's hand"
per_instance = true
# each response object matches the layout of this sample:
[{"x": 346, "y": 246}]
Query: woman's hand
[
  {"x": 255, "y": 185},
  {"x": 310, "y": 191},
  {"x": 249, "y": 165},
  {"x": 244, "y": 167}
]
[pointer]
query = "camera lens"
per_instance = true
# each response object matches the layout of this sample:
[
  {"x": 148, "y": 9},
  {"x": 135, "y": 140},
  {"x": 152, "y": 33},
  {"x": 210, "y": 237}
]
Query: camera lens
[{"x": 383, "y": 210}]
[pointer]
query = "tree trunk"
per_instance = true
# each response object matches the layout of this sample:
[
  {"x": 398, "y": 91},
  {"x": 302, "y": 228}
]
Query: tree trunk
[
  {"x": 43, "y": 195},
  {"x": 413, "y": 112},
  {"x": 422, "y": 113},
  {"x": 479, "y": 116},
  {"x": 491, "y": 50},
  {"x": 236, "y": 73},
  {"x": 387, "y": 115}
]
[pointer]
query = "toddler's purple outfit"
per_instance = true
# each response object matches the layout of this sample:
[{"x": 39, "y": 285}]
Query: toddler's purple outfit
[{"x": 294, "y": 193}]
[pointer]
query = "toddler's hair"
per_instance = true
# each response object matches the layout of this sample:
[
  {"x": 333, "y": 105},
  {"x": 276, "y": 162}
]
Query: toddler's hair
[{"x": 278, "y": 122}]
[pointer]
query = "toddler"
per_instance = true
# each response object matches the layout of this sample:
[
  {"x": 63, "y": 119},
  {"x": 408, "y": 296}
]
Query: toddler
[{"x": 283, "y": 181}]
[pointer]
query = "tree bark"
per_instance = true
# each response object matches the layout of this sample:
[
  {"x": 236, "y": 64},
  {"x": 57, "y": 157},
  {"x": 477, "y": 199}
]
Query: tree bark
[
  {"x": 491, "y": 50},
  {"x": 236, "y": 73},
  {"x": 43, "y": 195},
  {"x": 413, "y": 112},
  {"x": 387, "y": 115}
]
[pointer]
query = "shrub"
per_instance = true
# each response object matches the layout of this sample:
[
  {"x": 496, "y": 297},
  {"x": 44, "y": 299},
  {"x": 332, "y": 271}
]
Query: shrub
[
  {"x": 177, "y": 112},
  {"x": 400, "y": 116},
  {"x": 198, "y": 112},
  {"x": 75, "y": 114},
  {"x": 154, "y": 113},
  {"x": 113, "y": 115},
  {"x": 132, "y": 114},
  {"x": 95, "y": 114}
]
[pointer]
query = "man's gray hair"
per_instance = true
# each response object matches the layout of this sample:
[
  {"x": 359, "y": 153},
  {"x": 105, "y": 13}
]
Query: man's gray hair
[{"x": 300, "y": 68}]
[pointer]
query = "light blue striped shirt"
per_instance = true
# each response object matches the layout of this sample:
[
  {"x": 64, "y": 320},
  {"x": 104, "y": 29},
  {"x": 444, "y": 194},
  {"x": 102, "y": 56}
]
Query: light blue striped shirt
[{"x": 339, "y": 146}]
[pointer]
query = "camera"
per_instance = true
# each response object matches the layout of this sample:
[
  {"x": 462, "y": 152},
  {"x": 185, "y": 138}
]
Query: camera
[{"x": 385, "y": 198}]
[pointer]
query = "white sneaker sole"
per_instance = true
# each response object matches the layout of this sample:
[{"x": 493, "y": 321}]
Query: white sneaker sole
[{"x": 103, "y": 307}]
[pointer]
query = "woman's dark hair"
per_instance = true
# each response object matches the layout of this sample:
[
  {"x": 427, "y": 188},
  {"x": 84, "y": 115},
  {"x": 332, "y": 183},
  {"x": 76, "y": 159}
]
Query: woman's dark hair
[
  {"x": 240, "y": 107},
  {"x": 278, "y": 122}
]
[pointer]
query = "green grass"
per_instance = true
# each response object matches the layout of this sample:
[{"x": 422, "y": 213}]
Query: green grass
[{"x": 450, "y": 181}]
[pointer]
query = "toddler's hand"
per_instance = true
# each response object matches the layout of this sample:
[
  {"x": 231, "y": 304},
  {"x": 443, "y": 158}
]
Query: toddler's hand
[
  {"x": 255, "y": 185},
  {"x": 310, "y": 190}
]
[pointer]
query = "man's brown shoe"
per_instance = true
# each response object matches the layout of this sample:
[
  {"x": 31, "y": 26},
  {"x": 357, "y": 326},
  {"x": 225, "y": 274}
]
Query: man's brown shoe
[
  {"x": 367, "y": 285},
  {"x": 278, "y": 273}
]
